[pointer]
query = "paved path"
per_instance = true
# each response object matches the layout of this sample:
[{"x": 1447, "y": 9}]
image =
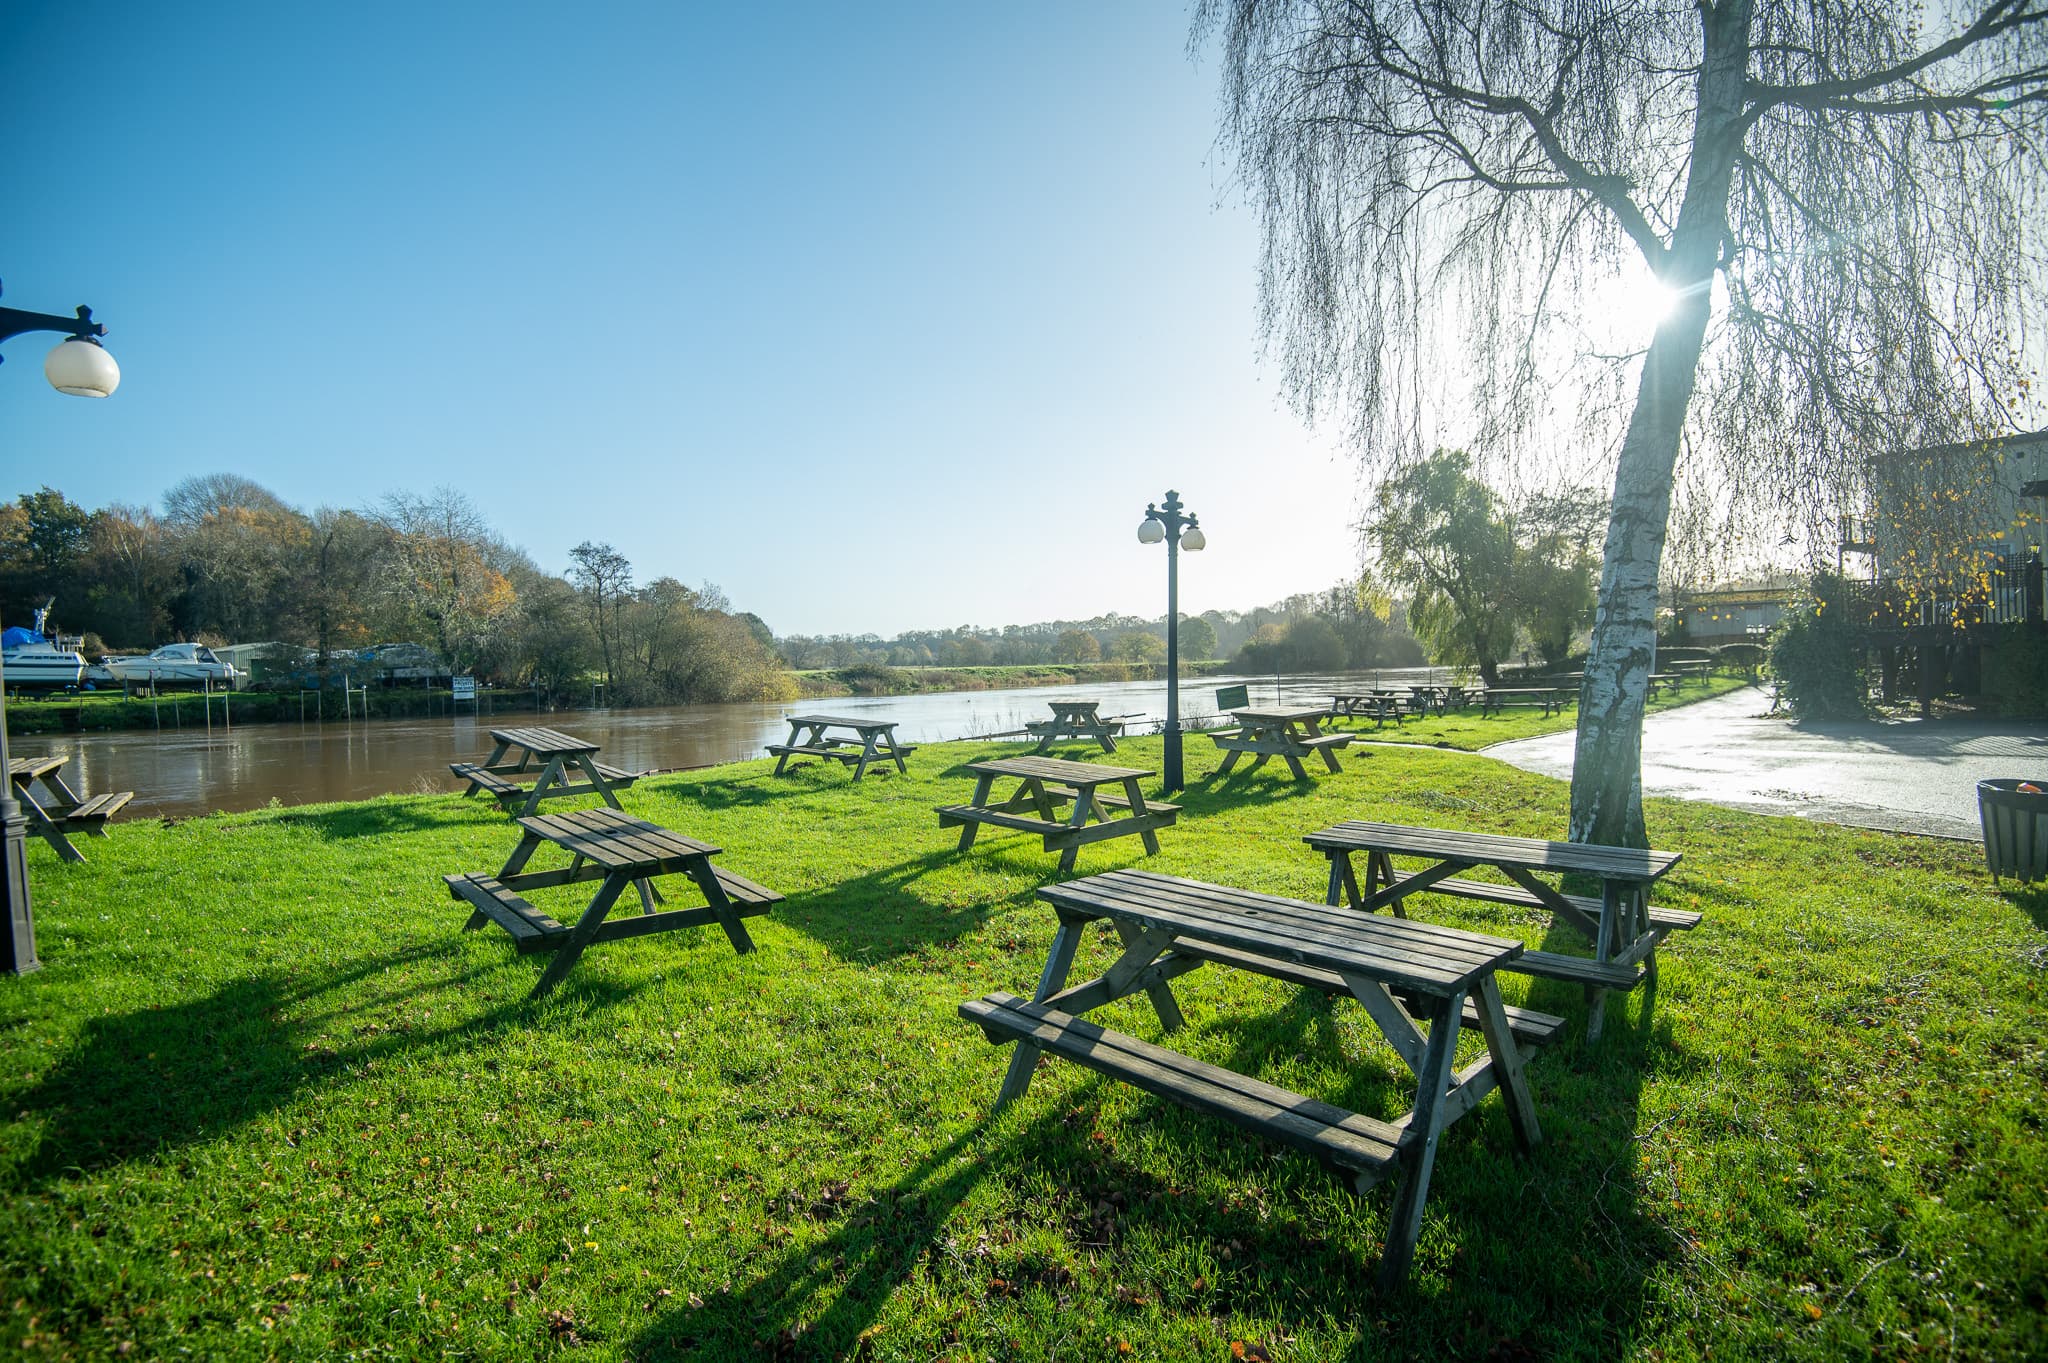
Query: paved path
[{"x": 1906, "y": 775}]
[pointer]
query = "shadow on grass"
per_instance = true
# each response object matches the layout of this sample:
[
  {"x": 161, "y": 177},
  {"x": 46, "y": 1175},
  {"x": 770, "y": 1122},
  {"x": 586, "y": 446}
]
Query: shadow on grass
[
  {"x": 737, "y": 792},
  {"x": 139, "y": 1083},
  {"x": 818, "y": 1299},
  {"x": 383, "y": 818},
  {"x": 870, "y": 918},
  {"x": 2033, "y": 899}
]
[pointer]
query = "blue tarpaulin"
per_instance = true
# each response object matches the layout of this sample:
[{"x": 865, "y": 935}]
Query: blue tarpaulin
[{"x": 14, "y": 636}]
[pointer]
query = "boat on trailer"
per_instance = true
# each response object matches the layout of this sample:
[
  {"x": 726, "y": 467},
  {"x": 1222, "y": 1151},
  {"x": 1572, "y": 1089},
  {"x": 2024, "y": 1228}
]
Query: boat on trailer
[{"x": 29, "y": 658}]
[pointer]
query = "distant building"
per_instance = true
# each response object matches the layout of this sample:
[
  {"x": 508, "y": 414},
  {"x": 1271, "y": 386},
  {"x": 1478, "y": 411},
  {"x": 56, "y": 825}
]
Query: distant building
[
  {"x": 1733, "y": 614},
  {"x": 1955, "y": 532}
]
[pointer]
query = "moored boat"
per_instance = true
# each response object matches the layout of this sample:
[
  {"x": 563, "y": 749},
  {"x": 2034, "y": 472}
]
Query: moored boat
[
  {"x": 174, "y": 663},
  {"x": 30, "y": 658}
]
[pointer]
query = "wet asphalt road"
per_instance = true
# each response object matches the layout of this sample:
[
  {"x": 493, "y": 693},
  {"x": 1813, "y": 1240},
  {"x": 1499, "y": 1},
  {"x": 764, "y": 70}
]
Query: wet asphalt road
[{"x": 1908, "y": 776}]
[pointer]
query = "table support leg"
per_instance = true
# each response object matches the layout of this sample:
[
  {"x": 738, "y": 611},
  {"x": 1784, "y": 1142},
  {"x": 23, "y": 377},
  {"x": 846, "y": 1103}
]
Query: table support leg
[
  {"x": 720, "y": 905},
  {"x": 43, "y": 826},
  {"x": 571, "y": 951},
  {"x": 1053, "y": 979},
  {"x": 1508, "y": 1063},
  {"x": 550, "y": 775},
  {"x": 588, "y": 764},
  {"x": 1161, "y": 994},
  {"x": 1425, "y": 1126}
]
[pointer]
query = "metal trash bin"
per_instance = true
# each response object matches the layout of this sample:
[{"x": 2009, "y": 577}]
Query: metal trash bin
[{"x": 2015, "y": 825}]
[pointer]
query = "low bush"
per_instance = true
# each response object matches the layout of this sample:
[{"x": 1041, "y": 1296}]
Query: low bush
[{"x": 1817, "y": 655}]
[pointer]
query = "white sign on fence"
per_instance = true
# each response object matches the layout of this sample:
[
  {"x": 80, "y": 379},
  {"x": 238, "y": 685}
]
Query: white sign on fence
[{"x": 465, "y": 688}]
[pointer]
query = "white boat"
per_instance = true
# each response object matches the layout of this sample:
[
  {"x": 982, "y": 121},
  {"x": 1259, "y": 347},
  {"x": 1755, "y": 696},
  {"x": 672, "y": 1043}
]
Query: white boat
[
  {"x": 174, "y": 663},
  {"x": 31, "y": 658}
]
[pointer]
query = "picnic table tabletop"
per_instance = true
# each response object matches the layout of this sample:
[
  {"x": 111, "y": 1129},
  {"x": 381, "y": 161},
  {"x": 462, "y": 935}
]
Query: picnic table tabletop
[
  {"x": 543, "y": 742},
  {"x": 1500, "y": 849},
  {"x": 1074, "y": 707},
  {"x": 864, "y": 725},
  {"x": 1059, "y": 769},
  {"x": 22, "y": 770},
  {"x": 1170, "y": 926},
  {"x": 1286, "y": 714}
]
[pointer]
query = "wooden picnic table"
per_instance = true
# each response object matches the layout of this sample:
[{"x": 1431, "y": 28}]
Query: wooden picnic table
[
  {"x": 1377, "y": 706},
  {"x": 557, "y": 757},
  {"x": 1621, "y": 925},
  {"x": 1046, "y": 783},
  {"x": 1552, "y": 699},
  {"x": 1404, "y": 974},
  {"x": 1074, "y": 719},
  {"x": 875, "y": 740},
  {"x": 1287, "y": 733},
  {"x": 60, "y": 810},
  {"x": 616, "y": 850}
]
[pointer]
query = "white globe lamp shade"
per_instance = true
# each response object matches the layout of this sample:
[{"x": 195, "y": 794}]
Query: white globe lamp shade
[
  {"x": 82, "y": 369},
  {"x": 1151, "y": 531},
  {"x": 1194, "y": 541}
]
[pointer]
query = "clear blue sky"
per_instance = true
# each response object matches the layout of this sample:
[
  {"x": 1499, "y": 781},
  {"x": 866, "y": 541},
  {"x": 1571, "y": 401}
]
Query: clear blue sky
[{"x": 881, "y": 317}]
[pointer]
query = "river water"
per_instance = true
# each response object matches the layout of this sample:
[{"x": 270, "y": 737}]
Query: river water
[{"x": 179, "y": 772}]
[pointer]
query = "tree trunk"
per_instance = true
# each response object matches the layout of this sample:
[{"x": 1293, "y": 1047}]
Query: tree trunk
[{"x": 1607, "y": 767}]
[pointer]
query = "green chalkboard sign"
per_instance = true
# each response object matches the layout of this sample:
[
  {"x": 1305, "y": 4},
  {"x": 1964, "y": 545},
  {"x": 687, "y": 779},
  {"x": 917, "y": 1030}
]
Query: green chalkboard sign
[{"x": 1232, "y": 697}]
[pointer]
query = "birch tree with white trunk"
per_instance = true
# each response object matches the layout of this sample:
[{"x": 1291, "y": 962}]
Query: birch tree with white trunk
[{"x": 1837, "y": 203}]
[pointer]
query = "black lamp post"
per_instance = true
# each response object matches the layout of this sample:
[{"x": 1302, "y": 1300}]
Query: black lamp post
[
  {"x": 80, "y": 367},
  {"x": 1165, "y": 523}
]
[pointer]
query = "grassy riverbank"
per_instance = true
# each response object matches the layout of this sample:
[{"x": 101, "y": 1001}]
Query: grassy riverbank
[{"x": 266, "y": 1100}]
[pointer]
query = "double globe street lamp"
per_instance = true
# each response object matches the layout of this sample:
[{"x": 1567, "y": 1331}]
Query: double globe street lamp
[
  {"x": 1180, "y": 532},
  {"x": 81, "y": 367}
]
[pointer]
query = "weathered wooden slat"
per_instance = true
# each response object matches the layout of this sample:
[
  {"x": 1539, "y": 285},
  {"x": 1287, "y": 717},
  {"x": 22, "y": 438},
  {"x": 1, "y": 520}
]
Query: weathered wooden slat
[
  {"x": 1062, "y": 770},
  {"x": 1672, "y": 920},
  {"x": 97, "y": 809},
  {"x": 1612, "y": 863},
  {"x": 1348, "y": 1141},
  {"x": 1531, "y": 1027},
  {"x": 531, "y": 929},
  {"x": 1434, "y": 960}
]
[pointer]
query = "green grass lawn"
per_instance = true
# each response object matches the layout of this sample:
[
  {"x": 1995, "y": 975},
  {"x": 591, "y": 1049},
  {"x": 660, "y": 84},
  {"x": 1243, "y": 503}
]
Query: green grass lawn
[{"x": 267, "y": 1101}]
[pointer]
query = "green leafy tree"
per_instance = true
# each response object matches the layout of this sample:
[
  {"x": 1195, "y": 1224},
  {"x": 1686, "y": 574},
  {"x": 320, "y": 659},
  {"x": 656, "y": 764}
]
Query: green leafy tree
[
  {"x": 1441, "y": 536},
  {"x": 1077, "y": 646},
  {"x": 1197, "y": 639}
]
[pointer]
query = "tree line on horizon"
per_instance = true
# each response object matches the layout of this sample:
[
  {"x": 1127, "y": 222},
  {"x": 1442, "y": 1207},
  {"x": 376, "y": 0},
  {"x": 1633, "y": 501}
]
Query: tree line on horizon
[
  {"x": 228, "y": 561},
  {"x": 1462, "y": 576}
]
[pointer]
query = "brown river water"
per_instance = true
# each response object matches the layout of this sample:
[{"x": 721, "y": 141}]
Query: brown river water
[{"x": 180, "y": 772}]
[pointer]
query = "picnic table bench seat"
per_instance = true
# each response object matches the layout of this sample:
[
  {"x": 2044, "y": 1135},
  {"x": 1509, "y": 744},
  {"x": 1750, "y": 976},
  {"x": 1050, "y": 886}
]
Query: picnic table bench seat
[
  {"x": 1361, "y": 1146},
  {"x": 508, "y": 793},
  {"x": 1058, "y": 836},
  {"x": 96, "y": 810},
  {"x": 839, "y": 749}
]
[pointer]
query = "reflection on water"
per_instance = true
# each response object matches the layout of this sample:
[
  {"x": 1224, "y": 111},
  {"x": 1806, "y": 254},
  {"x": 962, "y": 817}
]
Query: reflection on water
[{"x": 187, "y": 771}]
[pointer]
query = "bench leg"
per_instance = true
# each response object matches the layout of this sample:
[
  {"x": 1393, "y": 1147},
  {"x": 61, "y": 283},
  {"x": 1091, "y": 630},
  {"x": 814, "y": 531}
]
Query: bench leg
[
  {"x": 1425, "y": 1126},
  {"x": 1053, "y": 979},
  {"x": 1230, "y": 756},
  {"x": 571, "y": 951},
  {"x": 46, "y": 828},
  {"x": 982, "y": 782},
  {"x": 721, "y": 905},
  {"x": 1508, "y": 1065},
  {"x": 1294, "y": 765}
]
